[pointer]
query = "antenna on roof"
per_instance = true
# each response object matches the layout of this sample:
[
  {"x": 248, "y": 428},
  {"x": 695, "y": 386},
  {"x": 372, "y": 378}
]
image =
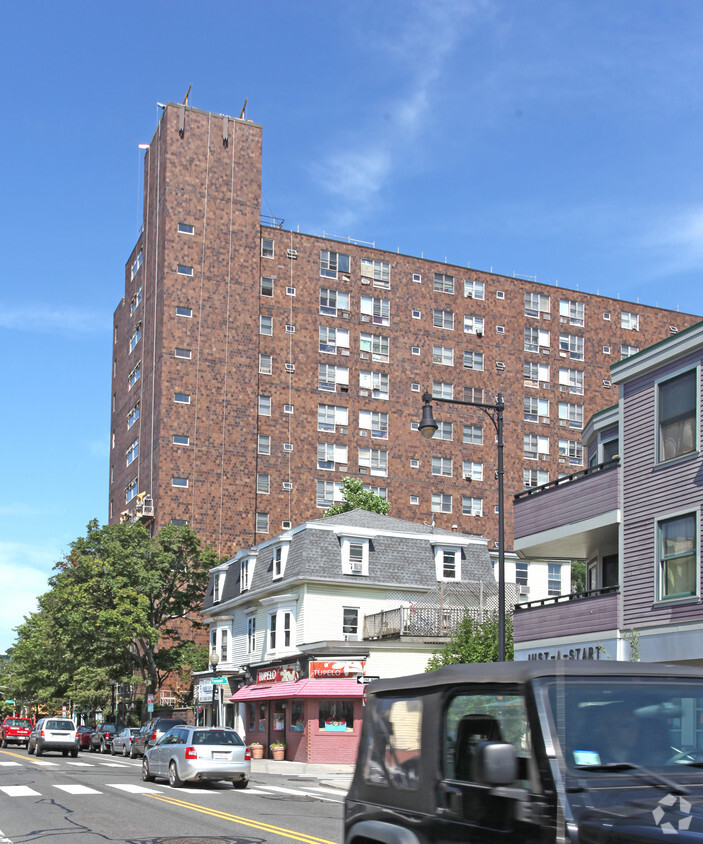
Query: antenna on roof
[
  {"x": 185, "y": 99},
  {"x": 244, "y": 108}
]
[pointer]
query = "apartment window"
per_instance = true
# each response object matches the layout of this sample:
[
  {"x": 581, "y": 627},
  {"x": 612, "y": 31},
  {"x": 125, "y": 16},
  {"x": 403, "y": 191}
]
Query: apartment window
[
  {"x": 288, "y": 408},
  {"x": 445, "y": 431},
  {"x": 375, "y": 460},
  {"x": 472, "y": 471},
  {"x": 134, "y": 375},
  {"x": 278, "y": 561},
  {"x": 133, "y": 415},
  {"x": 265, "y": 325},
  {"x": 181, "y": 439},
  {"x": 443, "y": 355},
  {"x": 350, "y": 622},
  {"x": 183, "y": 353},
  {"x": 473, "y": 434},
  {"x": 474, "y": 394},
  {"x": 181, "y": 398},
  {"x": 330, "y": 454},
  {"x": 224, "y": 645},
  {"x": 264, "y": 405},
  {"x": 606, "y": 350},
  {"x": 130, "y": 491},
  {"x": 473, "y": 325},
  {"x": 376, "y": 383},
  {"x": 273, "y": 623},
  {"x": 380, "y": 491},
  {"x": 333, "y": 263},
  {"x": 443, "y": 283},
  {"x": 287, "y": 447},
  {"x": 443, "y": 319},
  {"x": 417, "y": 314},
  {"x": 474, "y": 289},
  {"x": 571, "y": 451},
  {"x": 571, "y": 312},
  {"x": 186, "y": 228},
  {"x": 135, "y": 337},
  {"x": 184, "y": 269},
  {"x": 554, "y": 578},
  {"x": 181, "y": 482},
  {"x": 441, "y": 503},
  {"x": 532, "y": 478},
  {"x": 535, "y": 339},
  {"x": 471, "y": 506},
  {"x": 263, "y": 445},
  {"x": 677, "y": 557},
  {"x": 534, "y": 446},
  {"x": 330, "y": 376},
  {"x": 374, "y": 421},
  {"x": 414, "y": 350},
  {"x": 571, "y": 414},
  {"x": 265, "y": 364},
  {"x": 378, "y": 311},
  {"x": 521, "y": 573},
  {"x": 627, "y": 351},
  {"x": 182, "y": 310},
  {"x": 290, "y": 291},
  {"x": 572, "y": 379},
  {"x": 289, "y": 367},
  {"x": 330, "y": 417},
  {"x": 533, "y": 373},
  {"x": 414, "y": 463},
  {"x": 442, "y": 390},
  {"x": 414, "y": 499},
  {"x": 417, "y": 278},
  {"x": 442, "y": 466},
  {"x": 266, "y": 286},
  {"x": 251, "y": 634},
  {"x": 263, "y": 484},
  {"x": 138, "y": 261},
  {"x": 262, "y": 522},
  {"x": 216, "y": 587},
  {"x": 136, "y": 299},
  {"x": 473, "y": 360},
  {"x": 327, "y": 493},
  {"x": 379, "y": 271},
  {"x": 572, "y": 345},
  {"x": 500, "y": 294},
  {"x": 677, "y": 411},
  {"x": 536, "y": 305},
  {"x": 332, "y": 339},
  {"x": 449, "y": 564},
  {"x": 535, "y": 409},
  {"x": 332, "y": 301},
  {"x": 290, "y": 329},
  {"x": 245, "y": 573},
  {"x": 133, "y": 451},
  {"x": 377, "y": 345},
  {"x": 630, "y": 321},
  {"x": 266, "y": 247}
]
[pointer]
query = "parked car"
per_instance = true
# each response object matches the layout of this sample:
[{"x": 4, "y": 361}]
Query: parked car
[
  {"x": 192, "y": 754},
  {"x": 102, "y": 735},
  {"x": 122, "y": 742},
  {"x": 57, "y": 734},
  {"x": 83, "y": 733},
  {"x": 149, "y": 733},
  {"x": 15, "y": 730}
]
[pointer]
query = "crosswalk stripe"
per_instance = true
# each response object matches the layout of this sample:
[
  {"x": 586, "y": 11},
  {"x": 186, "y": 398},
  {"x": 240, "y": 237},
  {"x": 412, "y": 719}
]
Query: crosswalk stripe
[
  {"x": 130, "y": 788},
  {"x": 113, "y": 765},
  {"x": 81, "y": 764},
  {"x": 298, "y": 792},
  {"x": 19, "y": 791},
  {"x": 77, "y": 789},
  {"x": 8, "y": 764},
  {"x": 339, "y": 792},
  {"x": 41, "y": 762}
]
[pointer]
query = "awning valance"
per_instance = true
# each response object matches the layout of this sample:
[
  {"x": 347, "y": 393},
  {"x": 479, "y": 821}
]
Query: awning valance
[{"x": 324, "y": 687}]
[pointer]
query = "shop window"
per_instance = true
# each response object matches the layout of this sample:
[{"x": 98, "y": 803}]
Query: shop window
[
  {"x": 336, "y": 716},
  {"x": 251, "y": 717},
  {"x": 297, "y": 716}
]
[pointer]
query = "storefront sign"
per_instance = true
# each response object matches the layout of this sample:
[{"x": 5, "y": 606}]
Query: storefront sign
[
  {"x": 205, "y": 693},
  {"x": 588, "y": 652},
  {"x": 337, "y": 669},
  {"x": 281, "y": 674}
]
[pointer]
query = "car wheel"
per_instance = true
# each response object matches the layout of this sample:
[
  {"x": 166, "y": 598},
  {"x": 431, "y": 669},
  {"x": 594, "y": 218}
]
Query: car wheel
[
  {"x": 173, "y": 779},
  {"x": 74, "y": 754},
  {"x": 125, "y": 752},
  {"x": 30, "y": 749},
  {"x": 39, "y": 750},
  {"x": 103, "y": 747},
  {"x": 146, "y": 776},
  {"x": 64, "y": 752},
  {"x": 112, "y": 750},
  {"x": 4, "y": 741},
  {"x": 132, "y": 753},
  {"x": 240, "y": 783}
]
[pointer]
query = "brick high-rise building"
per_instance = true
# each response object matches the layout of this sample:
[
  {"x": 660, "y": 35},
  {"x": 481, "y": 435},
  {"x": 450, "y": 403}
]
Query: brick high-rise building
[{"x": 254, "y": 367}]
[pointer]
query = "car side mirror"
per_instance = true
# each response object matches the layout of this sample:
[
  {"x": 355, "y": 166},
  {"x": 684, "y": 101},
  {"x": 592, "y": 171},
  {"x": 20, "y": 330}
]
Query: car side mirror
[{"x": 495, "y": 763}]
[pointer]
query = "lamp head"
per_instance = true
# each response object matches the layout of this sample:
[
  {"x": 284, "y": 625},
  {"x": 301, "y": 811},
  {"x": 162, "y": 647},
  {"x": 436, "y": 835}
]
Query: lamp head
[
  {"x": 214, "y": 658},
  {"x": 427, "y": 426}
]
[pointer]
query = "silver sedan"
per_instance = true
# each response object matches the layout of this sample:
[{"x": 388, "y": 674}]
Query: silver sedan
[
  {"x": 190, "y": 754},
  {"x": 122, "y": 742}
]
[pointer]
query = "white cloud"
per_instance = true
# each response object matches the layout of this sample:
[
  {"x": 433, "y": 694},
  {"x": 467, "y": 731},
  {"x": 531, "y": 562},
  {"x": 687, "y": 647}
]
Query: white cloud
[
  {"x": 24, "y": 571},
  {"x": 45, "y": 319}
]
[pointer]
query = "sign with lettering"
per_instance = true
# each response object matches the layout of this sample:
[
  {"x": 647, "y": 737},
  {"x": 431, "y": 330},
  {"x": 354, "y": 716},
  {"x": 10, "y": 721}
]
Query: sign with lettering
[
  {"x": 337, "y": 668},
  {"x": 280, "y": 674}
]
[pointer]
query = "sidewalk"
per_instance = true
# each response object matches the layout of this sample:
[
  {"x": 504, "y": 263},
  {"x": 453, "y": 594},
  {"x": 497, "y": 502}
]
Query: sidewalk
[{"x": 334, "y": 776}]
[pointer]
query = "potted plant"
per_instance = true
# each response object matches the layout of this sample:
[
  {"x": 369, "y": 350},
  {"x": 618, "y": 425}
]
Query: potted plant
[
  {"x": 257, "y": 750},
  {"x": 278, "y": 750}
]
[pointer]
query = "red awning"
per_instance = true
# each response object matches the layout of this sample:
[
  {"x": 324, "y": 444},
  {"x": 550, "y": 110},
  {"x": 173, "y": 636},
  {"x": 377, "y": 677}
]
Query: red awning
[{"x": 324, "y": 687}]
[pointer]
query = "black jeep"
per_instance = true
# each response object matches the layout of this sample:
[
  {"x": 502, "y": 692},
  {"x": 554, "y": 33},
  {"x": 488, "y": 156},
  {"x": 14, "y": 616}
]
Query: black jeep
[{"x": 549, "y": 751}]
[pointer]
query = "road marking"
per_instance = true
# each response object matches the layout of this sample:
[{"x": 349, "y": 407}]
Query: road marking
[
  {"x": 81, "y": 764},
  {"x": 7, "y": 764},
  {"x": 19, "y": 791},
  {"x": 298, "y": 791},
  {"x": 45, "y": 764},
  {"x": 132, "y": 789},
  {"x": 77, "y": 789},
  {"x": 226, "y": 816},
  {"x": 339, "y": 792},
  {"x": 113, "y": 765}
]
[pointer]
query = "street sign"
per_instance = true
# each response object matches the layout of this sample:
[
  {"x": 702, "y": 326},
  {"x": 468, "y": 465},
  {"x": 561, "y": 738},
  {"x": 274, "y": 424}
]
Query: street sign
[
  {"x": 150, "y": 698},
  {"x": 9, "y": 701},
  {"x": 150, "y": 707},
  {"x": 218, "y": 680},
  {"x": 366, "y": 678}
]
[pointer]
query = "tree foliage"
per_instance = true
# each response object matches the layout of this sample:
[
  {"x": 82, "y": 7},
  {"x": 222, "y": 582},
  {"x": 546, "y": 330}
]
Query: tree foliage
[
  {"x": 355, "y": 497},
  {"x": 578, "y": 576},
  {"x": 475, "y": 640},
  {"x": 121, "y": 603}
]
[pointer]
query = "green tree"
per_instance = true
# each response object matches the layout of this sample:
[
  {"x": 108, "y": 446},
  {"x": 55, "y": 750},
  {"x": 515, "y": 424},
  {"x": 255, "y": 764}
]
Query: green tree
[
  {"x": 578, "y": 576},
  {"x": 475, "y": 640},
  {"x": 357, "y": 498}
]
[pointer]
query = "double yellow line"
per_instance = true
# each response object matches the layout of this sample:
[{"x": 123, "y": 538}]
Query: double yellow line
[{"x": 226, "y": 816}]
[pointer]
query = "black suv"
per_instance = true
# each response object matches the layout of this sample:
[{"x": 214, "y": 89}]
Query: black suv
[
  {"x": 149, "y": 733},
  {"x": 534, "y": 752},
  {"x": 102, "y": 736}
]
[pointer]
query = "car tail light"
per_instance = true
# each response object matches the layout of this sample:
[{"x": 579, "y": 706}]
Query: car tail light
[
  {"x": 247, "y": 754},
  {"x": 41, "y": 733},
  {"x": 191, "y": 753},
  {"x": 153, "y": 736}
]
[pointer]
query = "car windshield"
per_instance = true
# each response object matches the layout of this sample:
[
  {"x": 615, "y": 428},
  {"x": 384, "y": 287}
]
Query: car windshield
[
  {"x": 166, "y": 724},
  {"x": 606, "y": 725},
  {"x": 216, "y": 737},
  {"x": 57, "y": 724},
  {"x": 18, "y": 722}
]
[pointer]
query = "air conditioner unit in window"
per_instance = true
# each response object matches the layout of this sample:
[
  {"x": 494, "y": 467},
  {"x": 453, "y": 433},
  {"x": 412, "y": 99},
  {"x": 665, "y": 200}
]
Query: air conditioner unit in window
[
  {"x": 363, "y": 470},
  {"x": 544, "y": 457},
  {"x": 365, "y": 281},
  {"x": 351, "y": 637},
  {"x": 356, "y": 568},
  {"x": 345, "y": 314},
  {"x": 344, "y": 352},
  {"x": 363, "y": 355},
  {"x": 546, "y": 316},
  {"x": 562, "y": 388},
  {"x": 365, "y": 318},
  {"x": 468, "y": 295},
  {"x": 524, "y": 590}
]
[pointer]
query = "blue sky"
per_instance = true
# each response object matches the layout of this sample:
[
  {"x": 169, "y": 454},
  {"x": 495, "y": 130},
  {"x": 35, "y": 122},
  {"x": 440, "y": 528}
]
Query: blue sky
[{"x": 549, "y": 138}]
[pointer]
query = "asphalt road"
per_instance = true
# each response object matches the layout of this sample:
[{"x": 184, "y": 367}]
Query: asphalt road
[{"x": 100, "y": 799}]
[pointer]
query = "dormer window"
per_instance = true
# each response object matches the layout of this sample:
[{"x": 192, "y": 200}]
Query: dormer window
[
  {"x": 280, "y": 556},
  {"x": 246, "y": 571},
  {"x": 216, "y": 587},
  {"x": 355, "y": 555},
  {"x": 448, "y": 563}
]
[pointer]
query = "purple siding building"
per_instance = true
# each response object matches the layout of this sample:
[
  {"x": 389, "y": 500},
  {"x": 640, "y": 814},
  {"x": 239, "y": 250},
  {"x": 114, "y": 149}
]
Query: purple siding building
[{"x": 634, "y": 517}]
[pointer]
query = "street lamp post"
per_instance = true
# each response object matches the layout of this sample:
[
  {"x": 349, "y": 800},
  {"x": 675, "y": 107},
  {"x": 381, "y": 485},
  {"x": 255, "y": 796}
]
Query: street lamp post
[
  {"x": 214, "y": 660},
  {"x": 427, "y": 428}
]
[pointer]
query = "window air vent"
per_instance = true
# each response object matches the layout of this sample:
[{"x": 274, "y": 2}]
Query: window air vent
[
  {"x": 285, "y": 524},
  {"x": 292, "y": 253},
  {"x": 500, "y": 365},
  {"x": 673, "y": 329},
  {"x": 287, "y": 485},
  {"x": 290, "y": 367},
  {"x": 288, "y": 446},
  {"x": 290, "y": 291},
  {"x": 606, "y": 383}
]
